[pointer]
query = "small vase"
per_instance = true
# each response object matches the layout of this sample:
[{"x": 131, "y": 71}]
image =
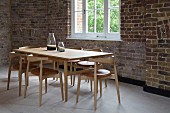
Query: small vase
[
  {"x": 51, "y": 43},
  {"x": 61, "y": 47}
]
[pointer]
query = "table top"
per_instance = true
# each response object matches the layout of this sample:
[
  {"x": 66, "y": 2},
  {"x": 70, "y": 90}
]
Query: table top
[{"x": 69, "y": 54}]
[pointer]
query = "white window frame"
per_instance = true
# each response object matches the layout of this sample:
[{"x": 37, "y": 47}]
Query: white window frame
[{"x": 94, "y": 36}]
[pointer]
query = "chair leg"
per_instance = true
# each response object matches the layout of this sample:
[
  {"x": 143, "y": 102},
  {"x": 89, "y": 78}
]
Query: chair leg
[
  {"x": 26, "y": 85},
  {"x": 40, "y": 92},
  {"x": 9, "y": 77},
  {"x": 56, "y": 78},
  {"x": 20, "y": 82},
  {"x": 97, "y": 87},
  {"x": 57, "y": 69},
  {"x": 95, "y": 93},
  {"x": 71, "y": 70},
  {"x": 105, "y": 82},
  {"x": 54, "y": 67},
  {"x": 53, "y": 78},
  {"x": 61, "y": 86},
  {"x": 91, "y": 87},
  {"x": 100, "y": 88},
  {"x": 78, "y": 88},
  {"x": 46, "y": 85},
  {"x": 25, "y": 77},
  {"x": 74, "y": 77},
  {"x": 71, "y": 80},
  {"x": 27, "y": 80},
  {"x": 117, "y": 88},
  {"x": 117, "y": 83}
]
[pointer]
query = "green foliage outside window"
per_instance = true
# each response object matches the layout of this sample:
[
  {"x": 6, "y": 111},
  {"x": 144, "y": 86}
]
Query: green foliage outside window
[{"x": 114, "y": 16}]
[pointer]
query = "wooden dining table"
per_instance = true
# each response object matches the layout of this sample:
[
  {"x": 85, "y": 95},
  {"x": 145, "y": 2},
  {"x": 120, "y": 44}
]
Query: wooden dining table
[{"x": 67, "y": 55}]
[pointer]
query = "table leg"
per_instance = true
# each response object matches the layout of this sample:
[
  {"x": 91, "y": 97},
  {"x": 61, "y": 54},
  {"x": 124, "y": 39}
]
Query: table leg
[
  {"x": 54, "y": 67},
  {"x": 65, "y": 81},
  {"x": 95, "y": 86}
]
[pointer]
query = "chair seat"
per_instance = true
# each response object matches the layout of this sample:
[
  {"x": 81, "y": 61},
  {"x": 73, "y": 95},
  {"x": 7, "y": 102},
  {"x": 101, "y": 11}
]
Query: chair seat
[
  {"x": 100, "y": 73},
  {"x": 46, "y": 71},
  {"x": 86, "y": 63},
  {"x": 16, "y": 66},
  {"x": 68, "y": 67},
  {"x": 73, "y": 61}
]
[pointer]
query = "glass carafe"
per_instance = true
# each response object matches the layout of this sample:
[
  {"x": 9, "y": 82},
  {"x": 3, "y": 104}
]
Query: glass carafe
[
  {"x": 51, "y": 43},
  {"x": 61, "y": 47}
]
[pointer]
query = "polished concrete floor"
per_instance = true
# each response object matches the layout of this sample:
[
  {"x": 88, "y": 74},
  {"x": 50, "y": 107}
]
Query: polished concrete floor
[{"x": 133, "y": 99}]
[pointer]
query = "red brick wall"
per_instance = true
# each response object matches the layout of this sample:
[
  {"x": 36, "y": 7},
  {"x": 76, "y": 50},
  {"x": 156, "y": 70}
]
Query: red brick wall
[
  {"x": 132, "y": 20},
  {"x": 157, "y": 20},
  {"x": 29, "y": 22},
  {"x": 132, "y": 49},
  {"x": 58, "y": 19}
]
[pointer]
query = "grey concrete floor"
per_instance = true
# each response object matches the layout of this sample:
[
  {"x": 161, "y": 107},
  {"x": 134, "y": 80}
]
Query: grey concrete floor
[{"x": 133, "y": 99}]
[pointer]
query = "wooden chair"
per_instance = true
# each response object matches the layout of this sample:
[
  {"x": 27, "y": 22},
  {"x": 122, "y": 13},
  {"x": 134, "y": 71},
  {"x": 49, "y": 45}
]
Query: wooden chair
[
  {"x": 18, "y": 63},
  {"x": 35, "y": 63},
  {"x": 99, "y": 74},
  {"x": 87, "y": 64},
  {"x": 42, "y": 73}
]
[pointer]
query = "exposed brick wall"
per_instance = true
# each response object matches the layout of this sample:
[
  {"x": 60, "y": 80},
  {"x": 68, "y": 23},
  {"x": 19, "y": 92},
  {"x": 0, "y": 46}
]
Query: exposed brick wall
[
  {"x": 132, "y": 49},
  {"x": 132, "y": 20},
  {"x": 58, "y": 20},
  {"x": 158, "y": 43},
  {"x": 5, "y": 45},
  {"x": 29, "y": 22},
  {"x": 132, "y": 60}
]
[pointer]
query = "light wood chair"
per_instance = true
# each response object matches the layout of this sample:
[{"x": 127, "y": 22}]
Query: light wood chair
[
  {"x": 18, "y": 63},
  {"x": 99, "y": 74},
  {"x": 87, "y": 64},
  {"x": 42, "y": 73}
]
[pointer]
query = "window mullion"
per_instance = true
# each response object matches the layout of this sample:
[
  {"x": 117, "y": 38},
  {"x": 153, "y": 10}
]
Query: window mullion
[
  {"x": 85, "y": 17},
  {"x": 73, "y": 18},
  {"x": 106, "y": 16},
  {"x": 94, "y": 16},
  {"x": 119, "y": 14}
]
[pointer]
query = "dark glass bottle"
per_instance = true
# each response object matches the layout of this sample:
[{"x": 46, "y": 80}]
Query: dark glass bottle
[{"x": 51, "y": 43}]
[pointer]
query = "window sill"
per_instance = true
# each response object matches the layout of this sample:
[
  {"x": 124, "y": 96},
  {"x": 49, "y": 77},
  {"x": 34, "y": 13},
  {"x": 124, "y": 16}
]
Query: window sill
[{"x": 97, "y": 39}]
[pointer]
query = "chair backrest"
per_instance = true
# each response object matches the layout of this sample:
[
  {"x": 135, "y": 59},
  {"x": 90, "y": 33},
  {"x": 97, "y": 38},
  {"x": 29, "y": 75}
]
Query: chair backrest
[
  {"x": 36, "y": 59},
  {"x": 96, "y": 50},
  {"x": 109, "y": 60},
  {"x": 16, "y": 58},
  {"x": 13, "y": 57}
]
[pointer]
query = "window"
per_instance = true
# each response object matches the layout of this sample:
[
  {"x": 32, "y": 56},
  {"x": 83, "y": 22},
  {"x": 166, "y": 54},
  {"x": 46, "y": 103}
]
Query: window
[{"x": 95, "y": 19}]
